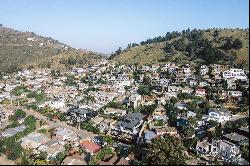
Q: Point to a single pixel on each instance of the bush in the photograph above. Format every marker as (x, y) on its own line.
(89, 127)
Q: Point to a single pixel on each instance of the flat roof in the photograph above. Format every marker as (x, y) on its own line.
(235, 137)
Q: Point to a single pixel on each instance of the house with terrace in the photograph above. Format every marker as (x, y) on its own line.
(33, 140)
(225, 149)
(113, 111)
(219, 114)
(128, 127)
(80, 114)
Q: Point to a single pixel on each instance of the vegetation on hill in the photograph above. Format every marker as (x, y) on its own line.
(229, 46)
(27, 49)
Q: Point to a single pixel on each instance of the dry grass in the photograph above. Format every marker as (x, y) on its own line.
(153, 53)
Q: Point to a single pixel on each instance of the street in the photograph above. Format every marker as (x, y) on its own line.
(58, 123)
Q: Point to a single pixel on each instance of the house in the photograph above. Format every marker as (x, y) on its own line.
(243, 131)
(200, 92)
(186, 70)
(218, 114)
(57, 104)
(149, 135)
(187, 90)
(33, 140)
(231, 84)
(225, 149)
(111, 160)
(236, 139)
(181, 105)
(203, 147)
(104, 97)
(74, 160)
(13, 131)
(118, 112)
(105, 125)
(53, 151)
(203, 84)
(6, 112)
(97, 120)
(182, 121)
(204, 70)
(134, 100)
(238, 74)
(217, 69)
(159, 113)
(191, 114)
(129, 124)
(90, 146)
(80, 114)
(192, 82)
(148, 100)
(99, 140)
(62, 134)
(77, 70)
(236, 95)
(174, 89)
(169, 95)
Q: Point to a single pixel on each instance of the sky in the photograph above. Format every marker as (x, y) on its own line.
(104, 25)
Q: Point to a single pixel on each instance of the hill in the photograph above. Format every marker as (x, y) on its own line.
(230, 46)
(27, 49)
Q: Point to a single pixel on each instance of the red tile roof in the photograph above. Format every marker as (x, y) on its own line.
(90, 146)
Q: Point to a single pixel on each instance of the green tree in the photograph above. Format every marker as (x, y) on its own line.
(183, 96)
(167, 150)
(218, 131)
(17, 91)
(216, 33)
(20, 114)
(70, 81)
(29, 120)
(148, 110)
(60, 157)
(237, 44)
(245, 152)
(144, 90)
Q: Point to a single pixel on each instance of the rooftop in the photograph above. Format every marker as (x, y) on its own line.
(235, 137)
(221, 111)
(246, 129)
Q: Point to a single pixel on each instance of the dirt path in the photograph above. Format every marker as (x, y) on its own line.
(5, 161)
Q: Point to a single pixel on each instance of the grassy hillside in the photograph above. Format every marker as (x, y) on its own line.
(24, 49)
(154, 50)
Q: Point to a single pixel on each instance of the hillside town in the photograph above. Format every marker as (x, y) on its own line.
(111, 114)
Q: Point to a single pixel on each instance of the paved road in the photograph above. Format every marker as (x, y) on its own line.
(58, 123)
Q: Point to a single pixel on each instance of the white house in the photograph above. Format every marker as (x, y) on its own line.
(218, 114)
(186, 89)
(235, 93)
(203, 147)
(187, 71)
(33, 140)
(225, 149)
(78, 70)
(235, 73)
(57, 104)
(118, 112)
(203, 84)
(135, 100)
(174, 88)
(204, 70)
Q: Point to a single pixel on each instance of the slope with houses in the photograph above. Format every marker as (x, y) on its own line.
(127, 104)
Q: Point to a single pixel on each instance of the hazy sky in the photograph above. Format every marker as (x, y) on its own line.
(104, 25)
